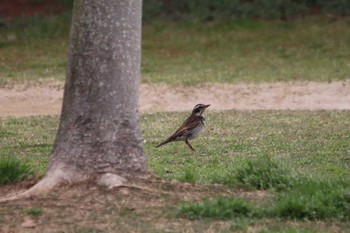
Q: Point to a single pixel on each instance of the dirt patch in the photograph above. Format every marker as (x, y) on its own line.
(46, 99)
(146, 205)
(266, 96)
(149, 205)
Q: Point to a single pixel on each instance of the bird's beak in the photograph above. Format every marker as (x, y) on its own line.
(207, 105)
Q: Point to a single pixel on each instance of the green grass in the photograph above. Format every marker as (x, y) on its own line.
(220, 208)
(246, 51)
(28, 139)
(307, 200)
(315, 199)
(313, 142)
(262, 173)
(316, 143)
(33, 49)
(13, 170)
(192, 52)
(34, 211)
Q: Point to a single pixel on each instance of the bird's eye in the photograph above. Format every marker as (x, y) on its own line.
(197, 110)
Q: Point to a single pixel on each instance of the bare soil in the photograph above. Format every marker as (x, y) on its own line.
(46, 99)
(147, 205)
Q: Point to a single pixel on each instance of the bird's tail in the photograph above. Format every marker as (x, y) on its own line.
(163, 143)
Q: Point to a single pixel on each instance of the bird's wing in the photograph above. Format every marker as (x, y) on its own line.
(185, 128)
(188, 121)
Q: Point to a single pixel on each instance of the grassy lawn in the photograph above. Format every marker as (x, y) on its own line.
(192, 53)
(316, 143)
(301, 160)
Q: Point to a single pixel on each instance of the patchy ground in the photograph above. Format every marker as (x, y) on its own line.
(149, 206)
(46, 99)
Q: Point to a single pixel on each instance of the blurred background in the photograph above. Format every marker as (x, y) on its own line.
(193, 41)
(195, 9)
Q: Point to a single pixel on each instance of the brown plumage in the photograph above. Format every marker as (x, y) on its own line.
(191, 128)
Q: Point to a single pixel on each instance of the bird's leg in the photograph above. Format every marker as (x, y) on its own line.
(189, 145)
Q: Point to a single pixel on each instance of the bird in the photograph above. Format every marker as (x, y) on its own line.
(190, 128)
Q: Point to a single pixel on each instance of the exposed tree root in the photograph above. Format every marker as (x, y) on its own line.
(110, 180)
(61, 175)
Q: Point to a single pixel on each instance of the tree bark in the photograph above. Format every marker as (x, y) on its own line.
(99, 135)
(99, 129)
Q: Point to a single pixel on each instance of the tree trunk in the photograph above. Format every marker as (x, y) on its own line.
(99, 129)
(99, 135)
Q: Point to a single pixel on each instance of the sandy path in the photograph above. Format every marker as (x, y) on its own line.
(43, 100)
